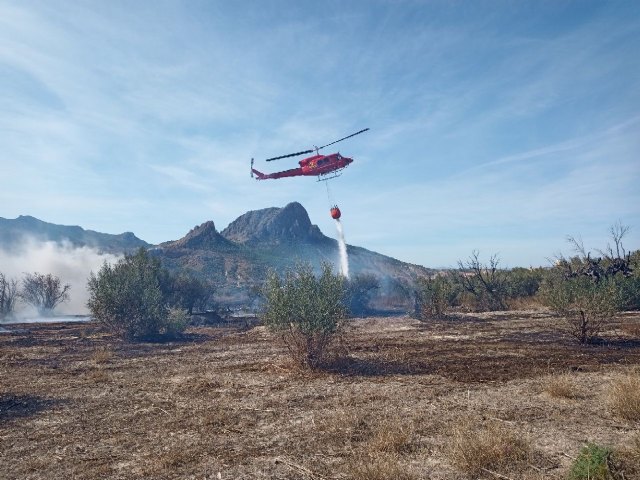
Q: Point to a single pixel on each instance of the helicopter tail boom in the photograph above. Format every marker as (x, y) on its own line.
(259, 175)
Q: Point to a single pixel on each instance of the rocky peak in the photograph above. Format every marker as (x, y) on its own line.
(273, 226)
(201, 237)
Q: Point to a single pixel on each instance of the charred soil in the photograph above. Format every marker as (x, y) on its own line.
(226, 403)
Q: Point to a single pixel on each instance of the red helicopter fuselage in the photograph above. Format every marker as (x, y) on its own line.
(315, 166)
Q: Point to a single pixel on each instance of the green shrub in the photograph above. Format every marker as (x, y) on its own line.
(586, 306)
(131, 298)
(523, 282)
(434, 296)
(592, 464)
(305, 310)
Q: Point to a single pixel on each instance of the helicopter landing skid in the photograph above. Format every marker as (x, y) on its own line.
(335, 174)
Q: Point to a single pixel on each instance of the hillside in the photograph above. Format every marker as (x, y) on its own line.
(271, 238)
(15, 232)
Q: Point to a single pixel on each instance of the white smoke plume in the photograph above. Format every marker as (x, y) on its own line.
(342, 247)
(73, 266)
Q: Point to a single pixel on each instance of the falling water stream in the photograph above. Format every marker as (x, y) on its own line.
(342, 246)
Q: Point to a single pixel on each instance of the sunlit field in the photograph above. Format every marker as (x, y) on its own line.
(494, 395)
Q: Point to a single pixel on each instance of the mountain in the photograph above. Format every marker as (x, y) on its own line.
(15, 232)
(236, 258)
(271, 238)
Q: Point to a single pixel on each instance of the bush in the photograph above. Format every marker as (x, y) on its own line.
(487, 283)
(586, 306)
(592, 464)
(523, 282)
(44, 292)
(127, 298)
(434, 296)
(306, 311)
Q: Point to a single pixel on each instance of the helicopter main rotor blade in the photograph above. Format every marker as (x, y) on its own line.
(348, 136)
(289, 155)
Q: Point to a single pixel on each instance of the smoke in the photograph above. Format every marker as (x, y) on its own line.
(342, 247)
(72, 264)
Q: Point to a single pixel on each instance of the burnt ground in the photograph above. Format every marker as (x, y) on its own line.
(226, 403)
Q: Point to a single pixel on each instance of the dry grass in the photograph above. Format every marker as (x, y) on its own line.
(524, 303)
(224, 400)
(379, 467)
(391, 436)
(99, 376)
(631, 329)
(476, 448)
(347, 424)
(624, 397)
(102, 356)
(561, 386)
(627, 458)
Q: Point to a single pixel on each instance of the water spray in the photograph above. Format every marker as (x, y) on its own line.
(342, 244)
(342, 247)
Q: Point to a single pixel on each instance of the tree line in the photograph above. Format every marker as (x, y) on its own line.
(137, 298)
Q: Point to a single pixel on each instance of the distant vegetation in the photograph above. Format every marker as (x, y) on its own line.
(585, 291)
(41, 291)
(8, 295)
(44, 292)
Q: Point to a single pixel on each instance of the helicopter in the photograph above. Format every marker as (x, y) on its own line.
(325, 167)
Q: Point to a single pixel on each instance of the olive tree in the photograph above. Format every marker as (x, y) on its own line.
(44, 292)
(131, 298)
(305, 310)
(191, 293)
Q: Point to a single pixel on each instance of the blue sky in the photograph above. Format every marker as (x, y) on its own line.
(499, 126)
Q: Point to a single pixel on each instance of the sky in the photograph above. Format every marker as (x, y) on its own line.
(495, 126)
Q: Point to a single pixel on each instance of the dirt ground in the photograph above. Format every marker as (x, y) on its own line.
(225, 403)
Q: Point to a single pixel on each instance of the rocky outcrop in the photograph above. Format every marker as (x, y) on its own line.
(274, 226)
(202, 237)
